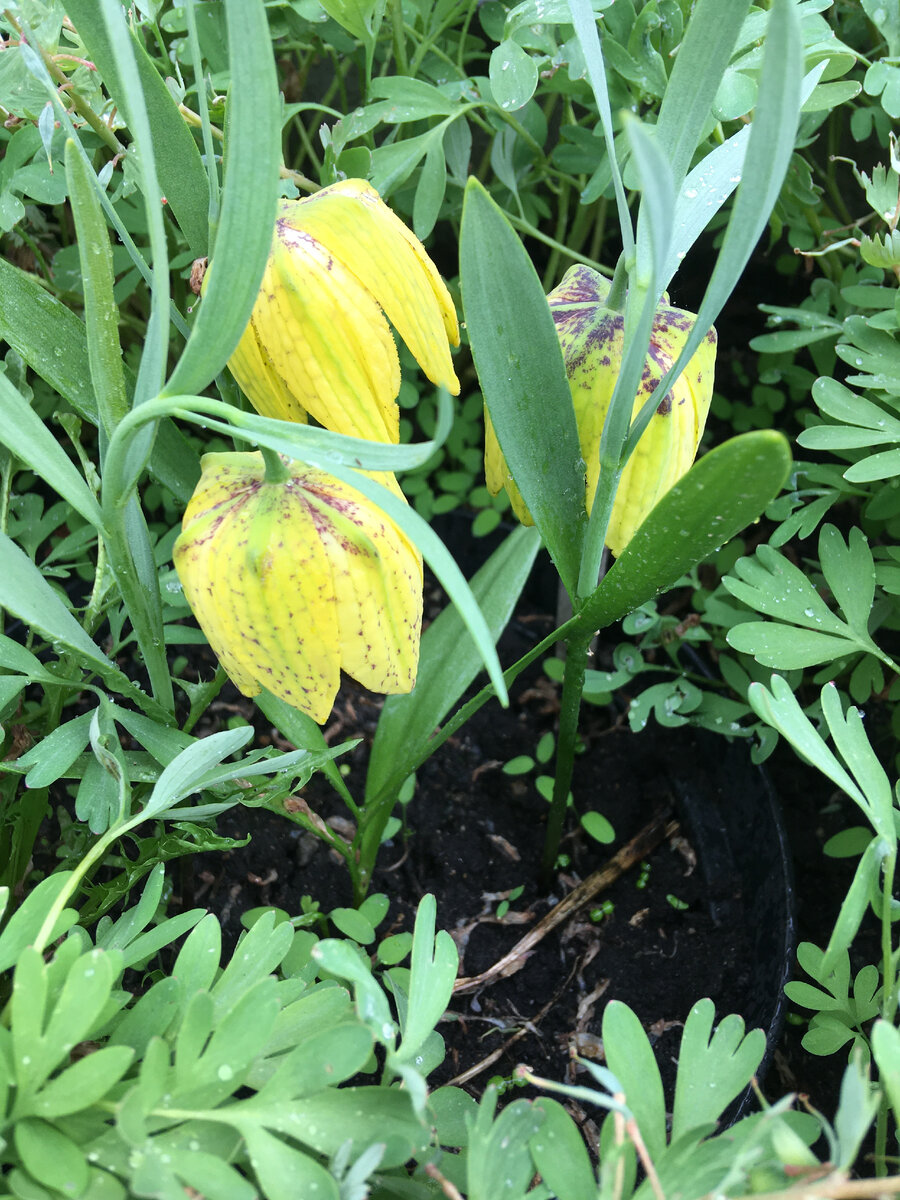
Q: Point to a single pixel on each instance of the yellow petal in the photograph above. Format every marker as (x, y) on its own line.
(496, 473)
(328, 339)
(669, 444)
(352, 220)
(377, 579)
(259, 582)
(257, 378)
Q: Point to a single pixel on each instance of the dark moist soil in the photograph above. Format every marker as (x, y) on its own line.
(679, 930)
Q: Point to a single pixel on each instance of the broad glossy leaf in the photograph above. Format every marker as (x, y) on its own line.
(723, 492)
(523, 377)
(513, 75)
(850, 573)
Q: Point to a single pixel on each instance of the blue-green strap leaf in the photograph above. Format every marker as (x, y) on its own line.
(523, 377)
(249, 194)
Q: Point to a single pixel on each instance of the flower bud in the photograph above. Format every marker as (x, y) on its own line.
(592, 341)
(295, 578)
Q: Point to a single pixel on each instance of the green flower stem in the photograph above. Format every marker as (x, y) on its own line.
(91, 618)
(889, 1000)
(95, 855)
(539, 236)
(463, 35)
(570, 708)
(200, 81)
(277, 469)
(399, 37)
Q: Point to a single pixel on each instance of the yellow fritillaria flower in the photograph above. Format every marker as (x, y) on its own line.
(318, 341)
(294, 579)
(592, 340)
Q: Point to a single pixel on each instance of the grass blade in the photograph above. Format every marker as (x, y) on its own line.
(249, 194)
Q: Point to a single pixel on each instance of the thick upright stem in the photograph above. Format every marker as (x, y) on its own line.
(570, 708)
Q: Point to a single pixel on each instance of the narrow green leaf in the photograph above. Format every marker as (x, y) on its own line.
(433, 966)
(448, 662)
(499, 1163)
(182, 775)
(585, 24)
(303, 732)
(50, 1157)
(771, 583)
(769, 150)
(101, 315)
(84, 1083)
(877, 466)
(630, 1058)
(178, 163)
(25, 923)
(523, 377)
(723, 492)
(29, 439)
(283, 1172)
(886, 1048)
(153, 358)
(855, 903)
(780, 709)
(49, 337)
(560, 1154)
(654, 233)
(851, 741)
(699, 65)
(26, 594)
(249, 194)
(53, 341)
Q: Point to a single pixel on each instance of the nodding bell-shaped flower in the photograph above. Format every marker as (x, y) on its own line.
(592, 340)
(293, 578)
(318, 341)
